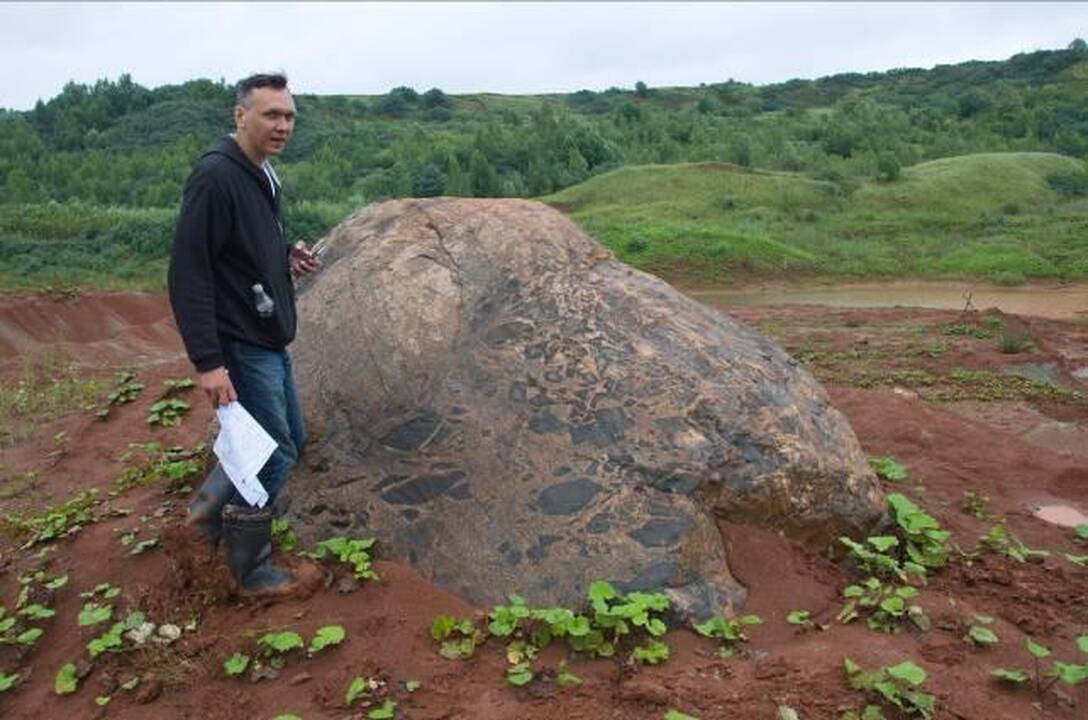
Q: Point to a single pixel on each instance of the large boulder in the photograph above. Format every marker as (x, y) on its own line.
(509, 409)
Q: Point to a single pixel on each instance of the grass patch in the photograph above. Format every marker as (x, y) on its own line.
(991, 216)
(44, 389)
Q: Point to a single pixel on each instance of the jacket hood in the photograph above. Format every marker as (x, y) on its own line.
(228, 147)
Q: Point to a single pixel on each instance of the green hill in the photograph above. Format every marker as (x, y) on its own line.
(1003, 217)
(965, 169)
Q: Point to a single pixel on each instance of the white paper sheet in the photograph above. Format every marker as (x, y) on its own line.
(243, 447)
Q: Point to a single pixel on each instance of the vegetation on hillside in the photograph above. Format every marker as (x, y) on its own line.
(114, 155)
(996, 216)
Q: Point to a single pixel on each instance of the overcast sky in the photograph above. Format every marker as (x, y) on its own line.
(512, 47)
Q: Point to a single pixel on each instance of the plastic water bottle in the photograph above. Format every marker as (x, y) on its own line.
(265, 306)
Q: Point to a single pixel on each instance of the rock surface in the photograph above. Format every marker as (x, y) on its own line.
(509, 409)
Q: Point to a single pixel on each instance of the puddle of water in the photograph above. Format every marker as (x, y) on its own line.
(1058, 302)
(1061, 515)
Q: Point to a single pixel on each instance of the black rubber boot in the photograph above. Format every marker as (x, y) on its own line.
(205, 511)
(247, 545)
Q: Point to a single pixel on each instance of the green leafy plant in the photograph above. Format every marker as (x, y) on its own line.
(276, 644)
(351, 551)
(898, 684)
(1080, 533)
(326, 636)
(884, 605)
(888, 468)
(976, 504)
(798, 617)
(173, 386)
(729, 630)
(999, 540)
(651, 652)
(125, 393)
(37, 612)
(617, 616)
(111, 639)
(167, 412)
(926, 542)
(236, 664)
(564, 678)
(283, 535)
(980, 635)
(66, 681)
(385, 711)
(107, 591)
(93, 613)
(875, 556)
(359, 687)
(677, 715)
(1068, 673)
(520, 673)
(7, 682)
(458, 638)
(58, 521)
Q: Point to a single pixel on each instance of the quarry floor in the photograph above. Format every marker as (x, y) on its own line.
(930, 387)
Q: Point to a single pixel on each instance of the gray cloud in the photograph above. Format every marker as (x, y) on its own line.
(368, 48)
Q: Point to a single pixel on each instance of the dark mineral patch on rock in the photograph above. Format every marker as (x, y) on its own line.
(567, 497)
(414, 433)
(662, 532)
(423, 489)
(486, 387)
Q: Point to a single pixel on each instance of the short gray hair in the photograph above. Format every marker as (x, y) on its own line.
(245, 86)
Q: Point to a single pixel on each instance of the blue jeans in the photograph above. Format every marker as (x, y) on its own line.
(266, 389)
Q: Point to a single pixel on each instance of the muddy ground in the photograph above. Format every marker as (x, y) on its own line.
(931, 388)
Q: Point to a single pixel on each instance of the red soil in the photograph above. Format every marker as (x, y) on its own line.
(387, 622)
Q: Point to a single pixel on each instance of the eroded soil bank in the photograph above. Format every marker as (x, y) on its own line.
(931, 387)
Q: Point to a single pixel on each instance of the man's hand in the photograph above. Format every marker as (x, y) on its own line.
(301, 260)
(217, 386)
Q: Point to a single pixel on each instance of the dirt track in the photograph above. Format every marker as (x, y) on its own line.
(911, 387)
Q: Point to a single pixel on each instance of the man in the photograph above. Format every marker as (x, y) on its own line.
(231, 290)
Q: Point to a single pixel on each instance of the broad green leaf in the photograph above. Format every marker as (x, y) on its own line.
(519, 674)
(1015, 676)
(66, 682)
(888, 468)
(57, 583)
(326, 636)
(37, 612)
(1082, 643)
(282, 642)
(412, 685)
(93, 613)
(102, 700)
(356, 689)
(1036, 649)
(1081, 532)
(908, 672)
(442, 627)
(236, 664)
(387, 710)
(8, 681)
(883, 542)
(601, 590)
(797, 617)
(677, 715)
(982, 635)
(1068, 673)
(29, 637)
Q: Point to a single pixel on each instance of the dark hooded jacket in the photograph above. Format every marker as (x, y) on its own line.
(229, 236)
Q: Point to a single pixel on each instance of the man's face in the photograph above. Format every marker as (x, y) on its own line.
(267, 120)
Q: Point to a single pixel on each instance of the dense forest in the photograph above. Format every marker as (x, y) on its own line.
(90, 179)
